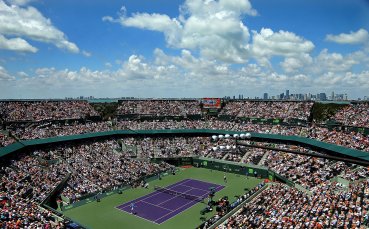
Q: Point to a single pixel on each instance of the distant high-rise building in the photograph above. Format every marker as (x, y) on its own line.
(287, 94)
(265, 95)
(322, 96)
(339, 97)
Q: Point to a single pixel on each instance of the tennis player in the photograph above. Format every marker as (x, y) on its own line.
(225, 178)
(133, 208)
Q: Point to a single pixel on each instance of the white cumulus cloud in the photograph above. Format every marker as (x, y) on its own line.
(215, 28)
(181, 76)
(29, 23)
(268, 43)
(282, 43)
(4, 75)
(333, 62)
(359, 37)
(16, 44)
(86, 54)
(19, 2)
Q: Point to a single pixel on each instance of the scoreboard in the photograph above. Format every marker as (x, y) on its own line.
(211, 103)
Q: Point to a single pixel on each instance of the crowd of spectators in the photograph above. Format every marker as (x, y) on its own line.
(25, 182)
(309, 172)
(55, 110)
(99, 166)
(192, 146)
(213, 124)
(16, 212)
(57, 130)
(281, 206)
(352, 140)
(354, 174)
(53, 130)
(160, 125)
(36, 111)
(223, 206)
(261, 109)
(5, 140)
(159, 107)
(184, 147)
(226, 153)
(174, 146)
(354, 115)
(254, 155)
(234, 156)
(27, 179)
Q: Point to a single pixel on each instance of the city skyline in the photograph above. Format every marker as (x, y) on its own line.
(320, 96)
(182, 48)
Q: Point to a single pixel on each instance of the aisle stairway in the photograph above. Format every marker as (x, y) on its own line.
(262, 160)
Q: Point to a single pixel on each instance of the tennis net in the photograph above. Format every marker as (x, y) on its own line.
(180, 194)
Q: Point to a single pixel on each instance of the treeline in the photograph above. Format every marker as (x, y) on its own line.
(107, 111)
(324, 111)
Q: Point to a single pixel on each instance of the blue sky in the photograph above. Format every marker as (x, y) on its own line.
(192, 48)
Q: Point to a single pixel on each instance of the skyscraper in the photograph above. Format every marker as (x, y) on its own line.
(322, 96)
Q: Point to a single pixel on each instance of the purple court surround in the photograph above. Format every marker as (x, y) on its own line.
(158, 207)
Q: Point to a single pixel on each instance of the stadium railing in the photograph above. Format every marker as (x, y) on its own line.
(59, 187)
(314, 144)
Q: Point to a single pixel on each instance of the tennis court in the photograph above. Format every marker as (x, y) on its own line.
(165, 203)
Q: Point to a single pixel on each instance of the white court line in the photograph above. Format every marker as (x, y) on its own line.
(155, 205)
(177, 184)
(176, 210)
(208, 182)
(138, 216)
(195, 188)
(218, 186)
(174, 197)
(149, 195)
